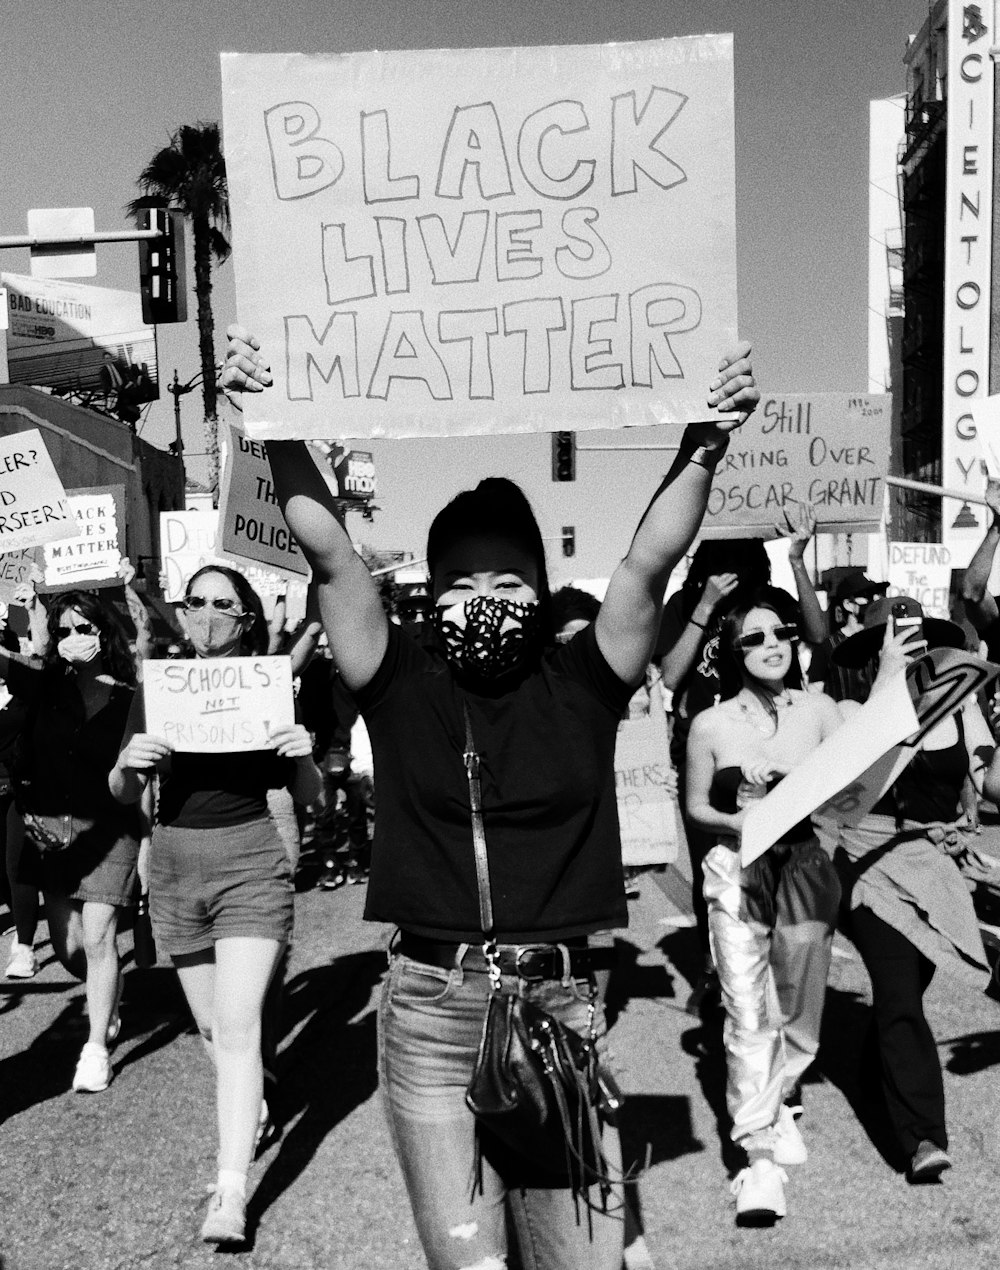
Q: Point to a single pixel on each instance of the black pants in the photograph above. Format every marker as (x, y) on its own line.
(910, 1067)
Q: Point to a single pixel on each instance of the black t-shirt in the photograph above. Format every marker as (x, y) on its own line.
(209, 791)
(842, 683)
(547, 772)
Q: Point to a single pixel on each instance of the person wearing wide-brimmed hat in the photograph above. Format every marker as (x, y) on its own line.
(909, 907)
(849, 599)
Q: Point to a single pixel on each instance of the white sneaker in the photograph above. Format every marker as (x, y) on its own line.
(93, 1071)
(23, 964)
(760, 1194)
(789, 1145)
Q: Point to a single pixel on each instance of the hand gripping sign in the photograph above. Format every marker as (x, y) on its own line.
(843, 778)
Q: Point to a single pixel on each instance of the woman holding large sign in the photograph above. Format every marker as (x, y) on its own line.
(771, 924)
(538, 722)
(220, 884)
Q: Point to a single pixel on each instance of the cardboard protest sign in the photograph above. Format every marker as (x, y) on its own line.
(252, 528)
(647, 809)
(15, 568)
(828, 449)
(91, 558)
(923, 570)
(210, 705)
(33, 503)
(189, 540)
(459, 242)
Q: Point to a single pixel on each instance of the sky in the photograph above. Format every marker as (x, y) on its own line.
(89, 92)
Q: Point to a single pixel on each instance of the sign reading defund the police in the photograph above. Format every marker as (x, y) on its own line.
(93, 557)
(34, 507)
(251, 525)
(215, 704)
(827, 449)
(459, 242)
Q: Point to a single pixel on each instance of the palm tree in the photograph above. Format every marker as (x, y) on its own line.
(189, 174)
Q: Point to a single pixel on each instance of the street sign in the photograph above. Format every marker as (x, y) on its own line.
(63, 258)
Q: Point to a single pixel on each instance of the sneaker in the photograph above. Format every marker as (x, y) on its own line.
(93, 1071)
(331, 878)
(789, 1146)
(927, 1164)
(760, 1194)
(226, 1220)
(22, 964)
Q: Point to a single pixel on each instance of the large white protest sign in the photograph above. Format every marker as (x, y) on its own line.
(252, 527)
(15, 569)
(459, 242)
(828, 449)
(647, 806)
(91, 558)
(922, 570)
(189, 540)
(218, 704)
(33, 504)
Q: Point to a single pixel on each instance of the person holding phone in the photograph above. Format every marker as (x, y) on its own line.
(907, 906)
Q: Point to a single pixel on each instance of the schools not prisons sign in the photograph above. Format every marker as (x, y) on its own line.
(490, 240)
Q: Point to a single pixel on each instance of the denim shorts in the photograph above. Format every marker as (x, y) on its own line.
(101, 867)
(220, 883)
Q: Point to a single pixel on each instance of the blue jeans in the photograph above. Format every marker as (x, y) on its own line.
(430, 1023)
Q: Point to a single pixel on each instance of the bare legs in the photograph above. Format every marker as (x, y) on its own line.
(84, 936)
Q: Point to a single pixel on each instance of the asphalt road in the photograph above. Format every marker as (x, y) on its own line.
(117, 1180)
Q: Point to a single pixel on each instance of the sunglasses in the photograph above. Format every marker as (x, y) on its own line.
(198, 603)
(785, 633)
(84, 628)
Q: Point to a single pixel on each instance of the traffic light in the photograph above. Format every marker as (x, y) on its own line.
(161, 267)
(569, 540)
(564, 456)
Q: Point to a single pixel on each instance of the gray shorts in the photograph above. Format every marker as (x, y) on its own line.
(220, 883)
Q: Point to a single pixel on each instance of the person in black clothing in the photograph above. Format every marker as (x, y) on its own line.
(543, 719)
(981, 607)
(724, 574)
(848, 602)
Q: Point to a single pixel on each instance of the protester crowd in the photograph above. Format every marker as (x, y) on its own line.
(492, 710)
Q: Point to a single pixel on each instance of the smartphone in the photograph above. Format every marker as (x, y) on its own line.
(910, 623)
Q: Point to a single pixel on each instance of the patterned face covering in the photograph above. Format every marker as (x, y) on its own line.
(487, 636)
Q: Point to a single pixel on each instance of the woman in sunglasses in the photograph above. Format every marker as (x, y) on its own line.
(81, 847)
(220, 883)
(771, 924)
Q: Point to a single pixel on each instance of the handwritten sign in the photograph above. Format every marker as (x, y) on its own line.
(829, 449)
(33, 504)
(460, 242)
(252, 528)
(923, 570)
(189, 540)
(218, 704)
(91, 558)
(15, 568)
(647, 809)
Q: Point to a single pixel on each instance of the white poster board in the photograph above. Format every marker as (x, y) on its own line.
(459, 242)
(828, 449)
(34, 507)
(91, 558)
(253, 529)
(15, 568)
(647, 807)
(217, 704)
(923, 571)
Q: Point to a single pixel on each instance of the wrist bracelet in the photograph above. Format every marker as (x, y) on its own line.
(706, 456)
(700, 625)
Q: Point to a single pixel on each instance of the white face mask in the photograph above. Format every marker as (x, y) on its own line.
(79, 649)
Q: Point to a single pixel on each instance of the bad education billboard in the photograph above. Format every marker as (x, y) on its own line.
(75, 337)
(460, 242)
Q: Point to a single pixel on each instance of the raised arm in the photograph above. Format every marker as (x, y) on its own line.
(137, 611)
(27, 596)
(679, 657)
(980, 606)
(627, 623)
(350, 606)
(800, 532)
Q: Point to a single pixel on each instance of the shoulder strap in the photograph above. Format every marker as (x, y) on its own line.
(478, 832)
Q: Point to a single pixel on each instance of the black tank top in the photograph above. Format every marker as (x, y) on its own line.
(930, 787)
(722, 796)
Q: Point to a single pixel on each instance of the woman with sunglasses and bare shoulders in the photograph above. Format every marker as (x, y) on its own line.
(80, 846)
(770, 924)
(220, 883)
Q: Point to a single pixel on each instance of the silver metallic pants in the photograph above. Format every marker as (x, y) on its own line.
(771, 932)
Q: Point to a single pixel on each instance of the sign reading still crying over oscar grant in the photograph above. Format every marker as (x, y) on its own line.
(218, 704)
(460, 242)
(827, 449)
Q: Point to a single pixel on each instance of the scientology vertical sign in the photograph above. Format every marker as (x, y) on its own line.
(969, 217)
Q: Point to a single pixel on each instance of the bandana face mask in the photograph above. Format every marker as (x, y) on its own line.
(487, 636)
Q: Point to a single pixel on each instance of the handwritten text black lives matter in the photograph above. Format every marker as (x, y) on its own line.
(605, 340)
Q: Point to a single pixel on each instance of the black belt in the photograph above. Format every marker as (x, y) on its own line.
(533, 962)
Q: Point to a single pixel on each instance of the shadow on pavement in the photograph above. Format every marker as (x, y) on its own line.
(327, 1070)
(972, 1053)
